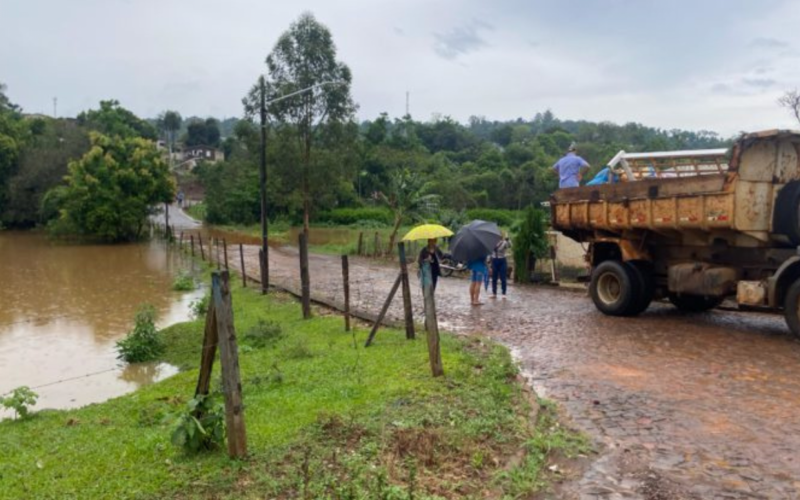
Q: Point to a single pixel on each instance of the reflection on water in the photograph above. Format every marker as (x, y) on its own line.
(65, 305)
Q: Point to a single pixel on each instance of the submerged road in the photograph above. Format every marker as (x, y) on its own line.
(681, 406)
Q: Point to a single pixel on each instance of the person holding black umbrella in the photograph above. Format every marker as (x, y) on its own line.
(472, 244)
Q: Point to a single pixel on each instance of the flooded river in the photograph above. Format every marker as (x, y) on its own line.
(65, 305)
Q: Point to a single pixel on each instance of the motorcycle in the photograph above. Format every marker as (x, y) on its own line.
(448, 266)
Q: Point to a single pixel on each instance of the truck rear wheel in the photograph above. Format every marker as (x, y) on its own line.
(786, 220)
(643, 272)
(614, 288)
(694, 303)
(791, 308)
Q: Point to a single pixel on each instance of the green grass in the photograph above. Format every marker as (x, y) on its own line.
(325, 418)
(196, 211)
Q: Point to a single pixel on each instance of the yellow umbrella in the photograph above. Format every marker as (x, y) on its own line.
(426, 232)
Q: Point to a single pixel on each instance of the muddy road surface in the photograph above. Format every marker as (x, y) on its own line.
(680, 406)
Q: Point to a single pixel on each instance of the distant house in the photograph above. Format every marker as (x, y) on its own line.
(205, 153)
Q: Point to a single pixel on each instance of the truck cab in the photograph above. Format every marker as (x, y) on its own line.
(695, 227)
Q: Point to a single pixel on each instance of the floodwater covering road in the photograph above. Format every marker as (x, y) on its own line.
(681, 406)
(63, 307)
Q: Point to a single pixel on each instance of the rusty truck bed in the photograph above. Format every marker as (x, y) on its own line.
(688, 202)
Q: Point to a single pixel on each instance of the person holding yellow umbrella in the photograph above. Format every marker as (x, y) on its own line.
(430, 253)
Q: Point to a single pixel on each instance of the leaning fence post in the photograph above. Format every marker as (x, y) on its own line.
(219, 263)
(384, 310)
(225, 252)
(244, 275)
(305, 285)
(431, 323)
(202, 252)
(346, 285)
(191, 240)
(409, 314)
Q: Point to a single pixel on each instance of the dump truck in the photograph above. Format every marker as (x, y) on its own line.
(695, 227)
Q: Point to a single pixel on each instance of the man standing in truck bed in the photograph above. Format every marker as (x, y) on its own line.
(569, 168)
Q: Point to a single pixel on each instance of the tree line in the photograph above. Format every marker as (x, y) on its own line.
(73, 173)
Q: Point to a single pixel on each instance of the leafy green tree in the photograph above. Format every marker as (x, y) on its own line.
(109, 192)
(12, 137)
(530, 243)
(42, 165)
(305, 57)
(170, 122)
(5, 103)
(203, 133)
(406, 200)
(114, 120)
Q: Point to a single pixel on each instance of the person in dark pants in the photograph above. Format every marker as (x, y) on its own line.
(432, 254)
(500, 265)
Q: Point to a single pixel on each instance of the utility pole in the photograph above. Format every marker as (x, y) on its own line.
(264, 254)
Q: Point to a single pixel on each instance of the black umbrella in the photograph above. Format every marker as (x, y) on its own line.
(475, 241)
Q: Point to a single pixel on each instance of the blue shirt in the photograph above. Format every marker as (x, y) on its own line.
(568, 169)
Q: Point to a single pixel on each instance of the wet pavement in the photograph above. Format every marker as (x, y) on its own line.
(680, 406)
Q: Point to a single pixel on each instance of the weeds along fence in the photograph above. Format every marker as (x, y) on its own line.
(215, 251)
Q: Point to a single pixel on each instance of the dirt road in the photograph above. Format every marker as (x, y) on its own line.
(681, 406)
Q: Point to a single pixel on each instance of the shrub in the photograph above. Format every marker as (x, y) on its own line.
(142, 343)
(530, 239)
(298, 350)
(501, 217)
(199, 307)
(19, 400)
(263, 334)
(347, 216)
(183, 283)
(201, 426)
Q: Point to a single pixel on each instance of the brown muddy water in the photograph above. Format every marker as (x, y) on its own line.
(63, 307)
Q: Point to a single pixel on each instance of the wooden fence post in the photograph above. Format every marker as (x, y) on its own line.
(220, 332)
(225, 252)
(180, 241)
(263, 264)
(407, 310)
(229, 359)
(191, 240)
(377, 246)
(385, 308)
(431, 323)
(361, 243)
(202, 252)
(305, 281)
(346, 284)
(219, 263)
(244, 275)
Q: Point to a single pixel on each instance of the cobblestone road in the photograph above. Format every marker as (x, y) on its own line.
(681, 406)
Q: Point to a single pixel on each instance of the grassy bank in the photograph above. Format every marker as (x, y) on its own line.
(325, 419)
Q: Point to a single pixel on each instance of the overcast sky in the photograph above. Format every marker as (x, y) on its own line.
(700, 64)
